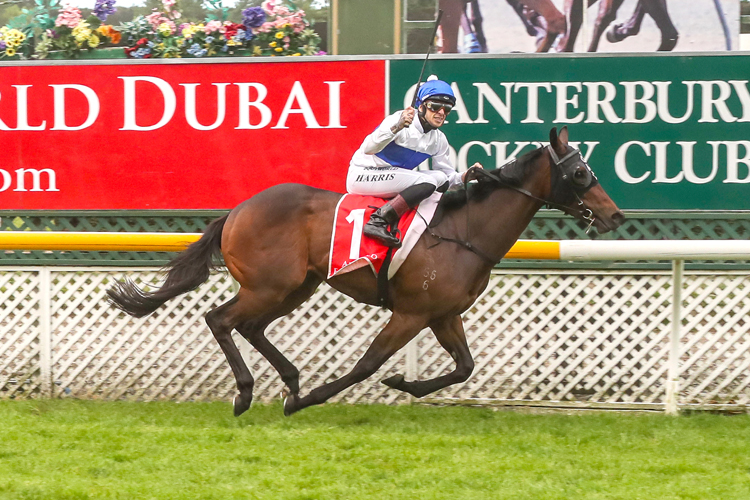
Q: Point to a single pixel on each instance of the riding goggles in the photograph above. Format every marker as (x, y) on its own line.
(437, 106)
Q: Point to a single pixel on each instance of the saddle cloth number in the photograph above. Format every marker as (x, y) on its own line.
(356, 217)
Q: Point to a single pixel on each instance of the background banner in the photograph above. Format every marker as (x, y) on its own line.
(625, 26)
(179, 136)
(660, 131)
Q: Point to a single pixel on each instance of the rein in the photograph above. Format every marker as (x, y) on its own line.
(585, 213)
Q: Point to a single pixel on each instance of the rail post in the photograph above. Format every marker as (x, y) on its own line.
(673, 384)
(412, 361)
(45, 331)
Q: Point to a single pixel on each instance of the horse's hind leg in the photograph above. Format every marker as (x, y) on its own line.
(222, 321)
(253, 331)
(450, 333)
(396, 334)
(247, 306)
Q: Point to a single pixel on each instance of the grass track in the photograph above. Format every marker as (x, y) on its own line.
(122, 450)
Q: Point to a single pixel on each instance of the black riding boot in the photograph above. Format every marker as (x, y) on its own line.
(391, 212)
(377, 226)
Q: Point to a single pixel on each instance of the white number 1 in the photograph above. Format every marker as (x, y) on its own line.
(358, 218)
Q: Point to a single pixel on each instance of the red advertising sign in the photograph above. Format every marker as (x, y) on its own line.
(180, 136)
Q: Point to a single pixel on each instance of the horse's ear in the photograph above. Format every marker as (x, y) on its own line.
(563, 137)
(553, 137)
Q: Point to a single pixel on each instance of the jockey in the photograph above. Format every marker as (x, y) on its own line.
(385, 164)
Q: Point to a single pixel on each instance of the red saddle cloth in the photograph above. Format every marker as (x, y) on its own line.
(350, 248)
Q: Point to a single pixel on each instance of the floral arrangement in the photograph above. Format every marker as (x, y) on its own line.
(280, 30)
(276, 28)
(72, 34)
(273, 29)
(167, 39)
(10, 40)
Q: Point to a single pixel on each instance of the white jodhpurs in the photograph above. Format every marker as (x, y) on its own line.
(387, 182)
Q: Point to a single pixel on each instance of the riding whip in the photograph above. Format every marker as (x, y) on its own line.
(429, 49)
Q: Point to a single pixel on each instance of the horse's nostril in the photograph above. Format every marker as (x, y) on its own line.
(618, 217)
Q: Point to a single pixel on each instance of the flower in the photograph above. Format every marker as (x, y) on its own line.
(166, 28)
(253, 17)
(68, 16)
(104, 8)
(279, 35)
(108, 31)
(93, 41)
(278, 49)
(212, 26)
(82, 32)
(12, 37)
(272, 44)
(10, 52)
(156, 19)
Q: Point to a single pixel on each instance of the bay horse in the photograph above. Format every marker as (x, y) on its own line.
(276, 246)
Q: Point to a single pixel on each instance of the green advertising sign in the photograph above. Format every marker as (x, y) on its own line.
(661, 131)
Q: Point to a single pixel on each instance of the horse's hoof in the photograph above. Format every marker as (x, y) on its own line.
(241, 404)
(613, 36)
(393, 382)
(290, 404)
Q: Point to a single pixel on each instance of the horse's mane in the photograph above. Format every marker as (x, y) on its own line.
(513, 173)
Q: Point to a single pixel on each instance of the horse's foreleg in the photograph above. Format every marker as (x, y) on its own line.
(396, 334)
(450, 334)
(518, 8)
(631, 27)
(254, 330)
(554, 20)
(573, 18)
(605, 17)
(657, 9)
(477, 22)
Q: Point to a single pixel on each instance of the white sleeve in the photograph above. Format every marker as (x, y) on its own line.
(382, 136)
(441, 162)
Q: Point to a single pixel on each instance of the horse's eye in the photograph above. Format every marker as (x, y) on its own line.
(580, 176)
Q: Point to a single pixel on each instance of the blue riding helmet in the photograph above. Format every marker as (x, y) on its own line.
(436, 90)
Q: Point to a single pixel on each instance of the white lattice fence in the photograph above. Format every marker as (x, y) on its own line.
(583, 338)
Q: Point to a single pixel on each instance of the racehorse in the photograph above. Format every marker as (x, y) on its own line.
(276, 245)
(657, 9)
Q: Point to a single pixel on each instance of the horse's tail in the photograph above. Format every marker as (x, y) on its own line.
(186, 272)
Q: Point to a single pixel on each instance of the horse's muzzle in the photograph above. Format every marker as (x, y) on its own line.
(609, 223)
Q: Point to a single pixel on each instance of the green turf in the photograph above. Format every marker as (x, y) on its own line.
(124, 450)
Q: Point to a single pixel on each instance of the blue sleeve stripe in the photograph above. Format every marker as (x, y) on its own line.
(402, 157)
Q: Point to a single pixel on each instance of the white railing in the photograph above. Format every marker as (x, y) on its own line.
(539, 337)
(598, 339)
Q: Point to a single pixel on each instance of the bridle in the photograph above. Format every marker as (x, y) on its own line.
(567, 165)
(568, 169)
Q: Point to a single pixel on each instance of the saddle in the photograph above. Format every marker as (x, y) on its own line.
(351, 249)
